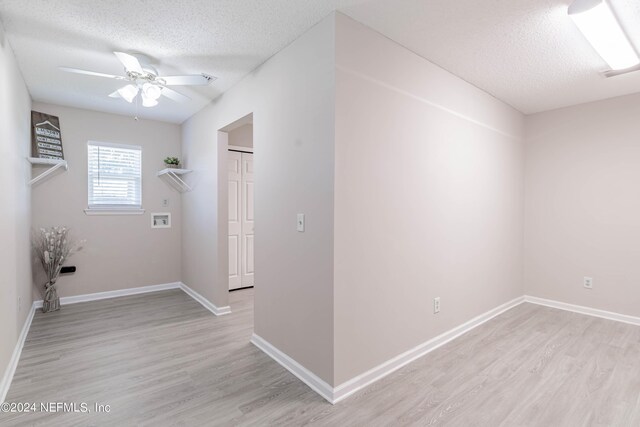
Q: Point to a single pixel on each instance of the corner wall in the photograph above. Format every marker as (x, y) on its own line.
(582, 215)
(428, 200)
(15, 209)
(121, 251)
(292, 100)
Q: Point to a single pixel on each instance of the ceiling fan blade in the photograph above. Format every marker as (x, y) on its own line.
(175, 96)
(91, 73)
(190, 80)
(130, 62)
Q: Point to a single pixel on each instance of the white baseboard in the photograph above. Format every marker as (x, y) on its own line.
(584, 310)
(305, 375)
(355, 384)
(218, 311)
(346, 389)
(114, 294)
(15, 357)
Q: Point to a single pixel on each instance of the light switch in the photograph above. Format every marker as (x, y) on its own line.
(300, 223)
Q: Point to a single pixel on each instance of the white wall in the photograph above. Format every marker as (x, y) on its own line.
(121, 251)
(15, 266)
(428, 200)
(583, 204)
(291, 97)
(242, 136)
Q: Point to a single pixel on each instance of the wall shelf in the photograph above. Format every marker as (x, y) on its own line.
(54, 164)
(174, 176)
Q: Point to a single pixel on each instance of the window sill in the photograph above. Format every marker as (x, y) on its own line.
(112, 211)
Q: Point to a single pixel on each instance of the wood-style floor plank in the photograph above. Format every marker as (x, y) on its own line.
(161, 359)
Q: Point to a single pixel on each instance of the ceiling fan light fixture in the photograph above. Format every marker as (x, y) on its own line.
(148, 102)
(598, 24)
(128, 92)
(151, 91)
(143, 79)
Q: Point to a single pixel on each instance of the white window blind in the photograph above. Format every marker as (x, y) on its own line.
(115, 176)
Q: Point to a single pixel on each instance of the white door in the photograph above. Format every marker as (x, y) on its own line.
(235, 223)
(247, 219)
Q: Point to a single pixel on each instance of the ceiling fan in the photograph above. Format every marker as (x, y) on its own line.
(143, 79)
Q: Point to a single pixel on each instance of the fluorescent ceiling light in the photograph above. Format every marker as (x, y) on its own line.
(128, 92)
(596, 21)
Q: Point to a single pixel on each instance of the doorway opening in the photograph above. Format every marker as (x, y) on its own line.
(240, 203)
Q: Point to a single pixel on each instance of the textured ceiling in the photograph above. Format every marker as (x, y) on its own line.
(527, 53)
(524, 52)
(224, 38)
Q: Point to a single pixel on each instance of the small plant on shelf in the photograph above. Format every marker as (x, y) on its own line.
(172, 162)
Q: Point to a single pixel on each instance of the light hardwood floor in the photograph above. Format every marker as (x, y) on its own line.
(161, 359)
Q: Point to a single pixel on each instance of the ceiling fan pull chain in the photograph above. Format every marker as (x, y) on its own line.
(136, 116)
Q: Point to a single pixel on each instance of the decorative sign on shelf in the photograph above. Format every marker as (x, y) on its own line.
(46, 140)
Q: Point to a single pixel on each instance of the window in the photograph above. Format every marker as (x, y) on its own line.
(115, 176)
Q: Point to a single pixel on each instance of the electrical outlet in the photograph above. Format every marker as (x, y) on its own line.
(436, 305)
(165, 203)
(588, 282)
